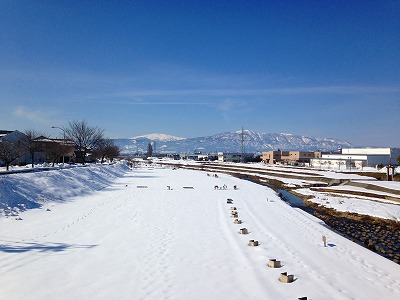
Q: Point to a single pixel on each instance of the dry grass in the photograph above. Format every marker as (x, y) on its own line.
(322, 210)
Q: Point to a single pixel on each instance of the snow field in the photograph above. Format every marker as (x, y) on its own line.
(367, 205)
(125, 242)
(377, 207)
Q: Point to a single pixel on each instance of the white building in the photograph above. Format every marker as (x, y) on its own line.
(229, 157)
(357, 158)
(17, 138)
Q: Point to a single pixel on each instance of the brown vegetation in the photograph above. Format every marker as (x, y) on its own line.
(322, 211)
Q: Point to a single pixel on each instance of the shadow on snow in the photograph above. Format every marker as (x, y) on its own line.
(18, 247)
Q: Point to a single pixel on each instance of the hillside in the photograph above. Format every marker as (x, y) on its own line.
(254, 142)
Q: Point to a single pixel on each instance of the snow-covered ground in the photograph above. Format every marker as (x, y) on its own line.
(394, 185)
(367, 205)
(19, 191)
(304, 176)
(375, 207)
(137, 239)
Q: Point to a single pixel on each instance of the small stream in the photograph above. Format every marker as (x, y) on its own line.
(289, 198)
(293, 200)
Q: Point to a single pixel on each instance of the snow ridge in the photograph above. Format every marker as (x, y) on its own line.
(159, 137)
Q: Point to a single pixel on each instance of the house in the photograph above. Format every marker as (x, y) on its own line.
(45, 151)
(11, 136)
(17, 138)
(62, 149)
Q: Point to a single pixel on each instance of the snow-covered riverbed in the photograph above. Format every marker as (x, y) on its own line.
(138, 239)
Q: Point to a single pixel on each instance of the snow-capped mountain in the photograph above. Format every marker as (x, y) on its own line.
(254, 142)
(159, 137)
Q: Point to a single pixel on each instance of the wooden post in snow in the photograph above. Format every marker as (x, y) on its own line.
(324, 240)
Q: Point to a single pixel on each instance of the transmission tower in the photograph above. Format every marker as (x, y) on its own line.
(242, 134)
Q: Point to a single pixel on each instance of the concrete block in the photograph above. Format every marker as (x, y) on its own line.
(285, 278)
(273, 263)
(243, 231)
(253, 243)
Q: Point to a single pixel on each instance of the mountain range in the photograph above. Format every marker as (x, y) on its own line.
(253, 142)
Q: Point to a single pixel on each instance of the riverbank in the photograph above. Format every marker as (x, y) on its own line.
(165, 232)
(378, 234)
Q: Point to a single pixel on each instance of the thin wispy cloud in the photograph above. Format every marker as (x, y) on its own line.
(229, 107)
(147, 102)
(35, 116)
(161, 83)
(251, 92)
(63, 76)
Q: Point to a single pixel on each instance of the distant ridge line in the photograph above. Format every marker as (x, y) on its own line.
(255, 142)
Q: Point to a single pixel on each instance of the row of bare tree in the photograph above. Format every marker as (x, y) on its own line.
(79, 137)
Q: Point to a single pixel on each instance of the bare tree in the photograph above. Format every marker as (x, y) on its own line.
(101, 149)
(85, 137)
(106, 148)
(53, 151)
(112, 152)
(10, 151)
(31, 144)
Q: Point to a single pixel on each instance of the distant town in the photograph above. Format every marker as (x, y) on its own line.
(18, 148)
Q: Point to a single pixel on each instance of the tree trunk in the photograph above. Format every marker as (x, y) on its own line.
(33, 159)
(83, 154)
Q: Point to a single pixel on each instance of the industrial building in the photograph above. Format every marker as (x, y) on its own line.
(357, 158)
(289, 157)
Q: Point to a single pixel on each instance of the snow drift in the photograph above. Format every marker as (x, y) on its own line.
(21, 191)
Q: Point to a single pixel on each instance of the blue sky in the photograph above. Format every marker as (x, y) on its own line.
(196, 68)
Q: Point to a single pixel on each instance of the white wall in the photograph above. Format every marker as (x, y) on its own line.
(365, 151)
